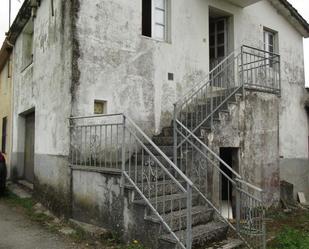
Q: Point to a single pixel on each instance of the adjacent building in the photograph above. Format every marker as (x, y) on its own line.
(6, 96)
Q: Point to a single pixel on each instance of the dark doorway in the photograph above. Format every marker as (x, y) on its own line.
(29, 147)
(230, 156)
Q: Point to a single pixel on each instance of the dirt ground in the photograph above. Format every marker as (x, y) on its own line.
(18, 232)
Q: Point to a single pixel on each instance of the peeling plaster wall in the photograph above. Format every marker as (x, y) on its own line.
(293, 132)
(99, 199)
(44, 86)
(130, 71)
(252, 126)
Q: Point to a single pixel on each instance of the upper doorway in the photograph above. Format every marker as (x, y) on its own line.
(220, 36)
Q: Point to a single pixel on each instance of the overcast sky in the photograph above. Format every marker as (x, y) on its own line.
(301, 5)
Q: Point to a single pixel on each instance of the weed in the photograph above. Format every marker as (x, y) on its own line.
(291, 238)
(134, 245)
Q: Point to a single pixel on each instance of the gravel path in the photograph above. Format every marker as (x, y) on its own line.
(18, 232)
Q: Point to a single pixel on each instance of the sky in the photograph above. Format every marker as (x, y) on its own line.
(301, 5)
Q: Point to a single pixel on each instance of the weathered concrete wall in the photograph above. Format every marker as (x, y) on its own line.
(296, 171)
(6, 88)
(44, 87)
(129, 71)
(99, 199)
(252, 126)
(293, 123)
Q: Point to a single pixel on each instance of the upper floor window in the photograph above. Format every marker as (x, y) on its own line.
(270, 44)
(27, 45)
(269, 41)
(155, 19)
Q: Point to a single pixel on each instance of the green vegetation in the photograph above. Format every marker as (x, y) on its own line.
(290, 238)
(27, 206)
(132, 246)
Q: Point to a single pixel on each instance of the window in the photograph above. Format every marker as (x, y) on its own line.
(269, 41)
(270, 45)
(100, 107)
(217, 38)
(155, 19)
(27, 45)
(4, 134)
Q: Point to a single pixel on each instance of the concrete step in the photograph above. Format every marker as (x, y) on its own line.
(144, 173)
(177, 220)
(168, 150)
(164, 140)
(159, 188)
(19, 190)
(202, 235)
(167, 131)
(168, 203)
(227, 244)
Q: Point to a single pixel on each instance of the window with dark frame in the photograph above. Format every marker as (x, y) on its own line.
(146, 18)
(4, 135)
(155, 19)
(217, 38)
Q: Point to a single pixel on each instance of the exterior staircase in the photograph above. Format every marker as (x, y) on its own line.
(175, 176)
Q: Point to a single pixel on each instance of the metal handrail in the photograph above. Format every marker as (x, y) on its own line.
(209, 150)
(96, 116)
(261, 50)
(248, 70)
(188, 94)
(189, 184)
(87, 131)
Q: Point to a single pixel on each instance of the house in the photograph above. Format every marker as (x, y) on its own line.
(6, 89)
(166, 116)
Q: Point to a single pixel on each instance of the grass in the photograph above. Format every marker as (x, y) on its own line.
(27, 204)
(290, 238)
(288, 230)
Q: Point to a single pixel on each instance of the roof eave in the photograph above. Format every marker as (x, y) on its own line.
(23, 16)
(291, 14)
(5, 53)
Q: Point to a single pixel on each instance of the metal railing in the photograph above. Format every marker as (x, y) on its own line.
(239, 205)
(197, 110)
(116, 142)
(260, 70)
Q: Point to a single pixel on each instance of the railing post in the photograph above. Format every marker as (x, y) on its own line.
(279, 71)
(238, 206)
(123, 152)
(242, 72)
(211, 102)
(175, 135)
(189, 217)
(264, 229)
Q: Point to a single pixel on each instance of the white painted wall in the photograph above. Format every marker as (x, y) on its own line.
(130, 71)
(44, 86)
